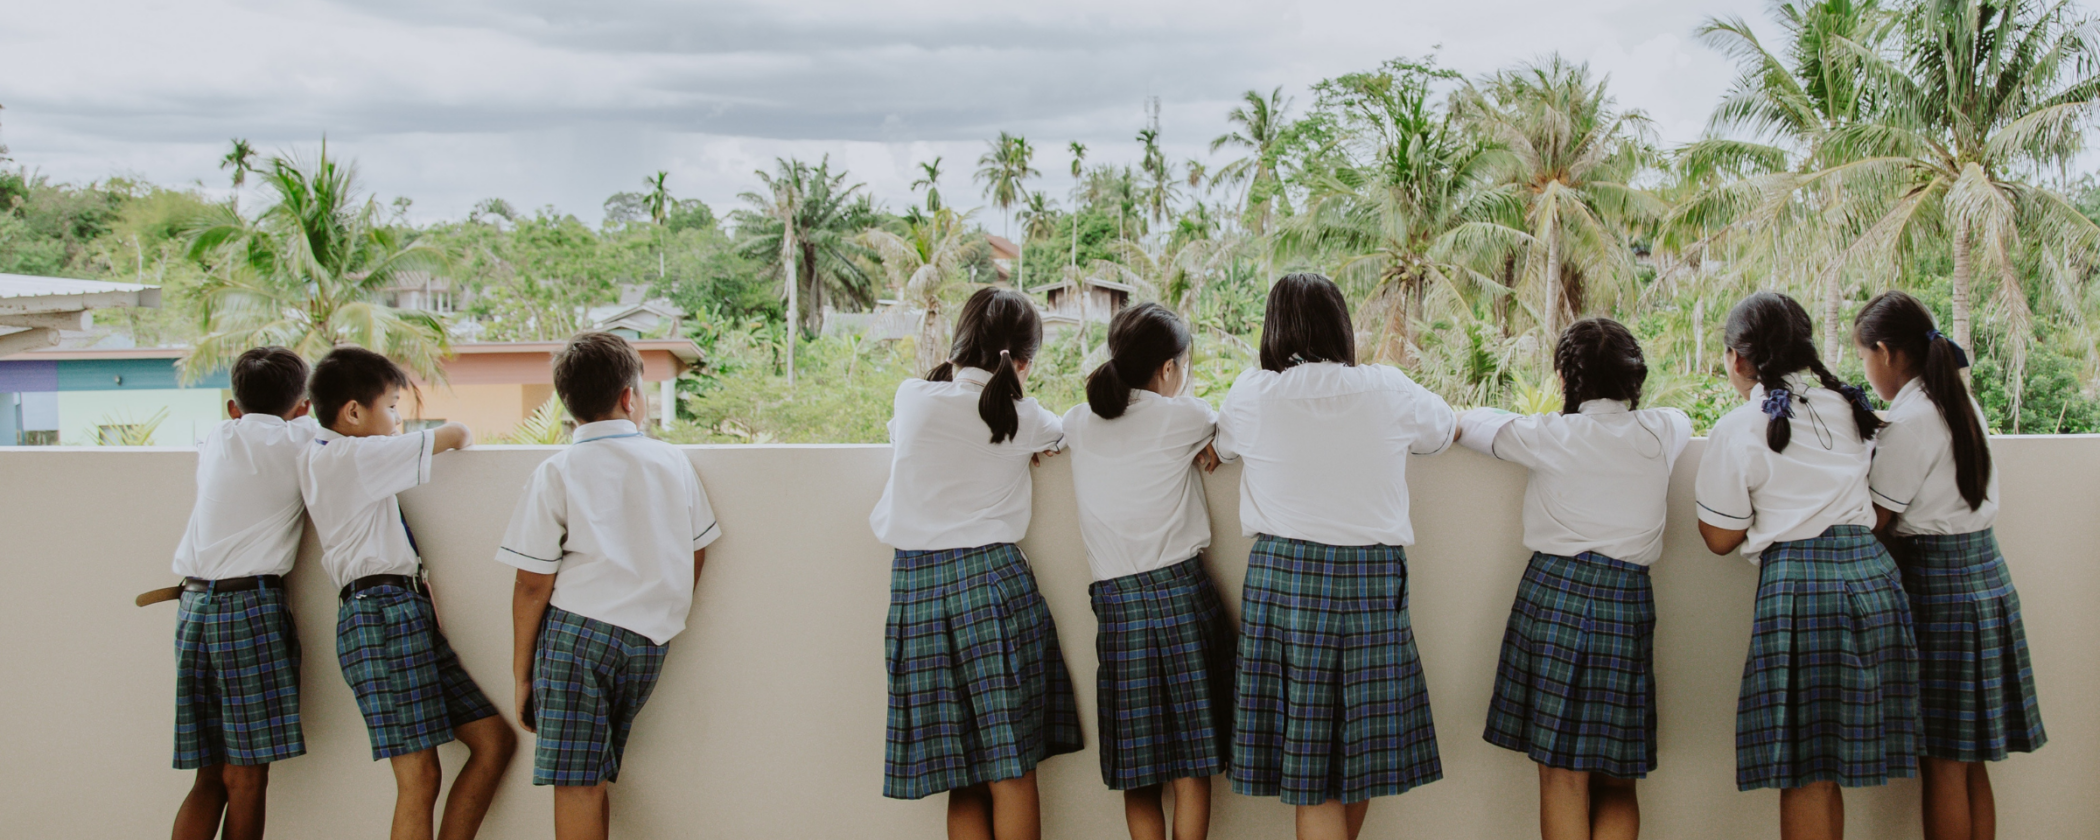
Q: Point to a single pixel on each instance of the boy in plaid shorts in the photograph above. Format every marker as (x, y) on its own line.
(608, 540)
(236, 651)
(409, 684)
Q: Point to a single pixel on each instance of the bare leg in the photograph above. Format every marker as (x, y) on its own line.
(416, 779)
(198, 818)
(1564, 804)
(1815, 812)
(1946, 800)
(246, 786)
(490, 744)
(1017, 810)
(1141, 809)
(1191, 809)
(1983, 803)
(582, 812)
(1355, 812)
(1326, 821)
(1615, 810)
(970, 813)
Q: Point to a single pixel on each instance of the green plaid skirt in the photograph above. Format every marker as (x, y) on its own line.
(1974, 679)
(1330, 701)
(236, 679)
(589, 681)
(1575, 688)
(1830, 686)
(1165, 681)
(978, 687)
(408, 682)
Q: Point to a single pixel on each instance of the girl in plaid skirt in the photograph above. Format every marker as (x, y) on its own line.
(1575, 688)
(1830, 685)
(1936, 498)
(1331, 708)
(1165, 642)
(978, 689)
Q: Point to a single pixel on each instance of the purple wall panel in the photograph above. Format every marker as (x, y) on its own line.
(20, 376)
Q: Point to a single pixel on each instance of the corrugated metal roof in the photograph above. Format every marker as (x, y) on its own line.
(23, 285)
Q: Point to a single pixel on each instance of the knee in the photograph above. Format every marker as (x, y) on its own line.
(418, 771)
(489, 739)
(246, 780)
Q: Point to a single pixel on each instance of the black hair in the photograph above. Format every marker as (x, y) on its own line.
(1900, 323)
(997, 328)
(268, 380)
(1307, 321)
(1774, 334)
(352, 374)
(592, 370)
(1141, 339)
(1599, 359)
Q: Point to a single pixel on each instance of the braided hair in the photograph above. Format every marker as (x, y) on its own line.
(1774, 334)
(1599, 359)
(997, 329)
(1900, 323)
(1141, 339)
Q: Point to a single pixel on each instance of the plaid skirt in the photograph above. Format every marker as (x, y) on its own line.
(1575, 688)
(1165, 681)
(589, 681)
(1330, 701)
(409, 684)
(1974, 680)
(1830, 686)
(236, 679)
(978, 687)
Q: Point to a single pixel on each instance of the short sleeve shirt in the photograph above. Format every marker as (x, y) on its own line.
(1600, 478)
(249, 515)
(950, 486)
(349, 484)
(1820, 481)
(615, 517)
(1141, 503)
(1914, 473)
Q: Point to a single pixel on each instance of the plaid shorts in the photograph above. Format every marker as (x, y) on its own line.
(409, 684)
(1830, 686)
(589, 680)
(1330, 701)
(1975, 682)
(1575, 687)
(978, 687)
(236, 679)
(1165, 681)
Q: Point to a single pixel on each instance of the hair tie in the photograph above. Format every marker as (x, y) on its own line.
(1779, 402)
(1961, 357)
(1005, 356)
(1858, 396)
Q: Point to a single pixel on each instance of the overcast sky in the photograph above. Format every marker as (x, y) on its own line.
(563, 102)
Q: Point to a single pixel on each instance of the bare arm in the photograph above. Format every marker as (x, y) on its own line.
(451, 436)
(1883, 519)
(1722, 540)
(699, 559)
(528, 607)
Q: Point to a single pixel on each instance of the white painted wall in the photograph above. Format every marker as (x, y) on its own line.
(769, 721)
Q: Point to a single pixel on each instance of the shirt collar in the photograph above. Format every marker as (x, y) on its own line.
(329, 434)
(1603, 407)
(973, 376)
(265, 419)
(1912, 390)
(604, 429)
(1796, 382)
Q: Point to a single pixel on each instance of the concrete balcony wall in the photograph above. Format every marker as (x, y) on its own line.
(769, 719)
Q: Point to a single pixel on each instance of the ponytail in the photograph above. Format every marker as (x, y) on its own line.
(1774, 334)
(1141, 340)
(997, 331)
(1901, 324)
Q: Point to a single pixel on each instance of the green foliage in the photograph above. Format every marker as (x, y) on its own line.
(546, 426)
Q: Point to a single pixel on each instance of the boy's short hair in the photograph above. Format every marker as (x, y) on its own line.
(591, 371)
(268, 380)
(352, 374)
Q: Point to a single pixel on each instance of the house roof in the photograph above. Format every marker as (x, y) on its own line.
(1002, 247)
(1091, 281)
(33, 310)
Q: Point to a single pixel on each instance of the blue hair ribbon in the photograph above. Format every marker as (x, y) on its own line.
(1961, 357)
(1779, 402)
(1858, 396)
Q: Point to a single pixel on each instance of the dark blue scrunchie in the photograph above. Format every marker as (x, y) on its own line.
(1858, 396)
(1779, 402)
(1961, 357)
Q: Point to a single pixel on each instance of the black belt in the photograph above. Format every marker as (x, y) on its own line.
(239, 584)
(408, 582)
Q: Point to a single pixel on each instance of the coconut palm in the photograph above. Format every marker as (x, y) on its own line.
(927, 266)
(1004, 169)
(1078, 166)
(930, 181)
(806, 220)
(241, 159)
(1259, 128)
(1161, 188)
(658, 202)
(308, 273)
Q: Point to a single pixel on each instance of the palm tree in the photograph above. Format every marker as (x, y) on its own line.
(1161, 188)
(241, 159)
(658, 202)
(930, 181)
(1078, 166)
(1038, 217)
(308, 273)
(803, 225)
(1259, 127)
(1004, 169)
(926, 267)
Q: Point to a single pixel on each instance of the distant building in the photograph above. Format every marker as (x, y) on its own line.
(35, 312)
(635, 315)
(424, 291)
(1100, 301)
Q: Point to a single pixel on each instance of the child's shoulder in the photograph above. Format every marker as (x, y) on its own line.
(1745, 422)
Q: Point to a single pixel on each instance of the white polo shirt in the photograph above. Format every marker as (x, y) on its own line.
(1600, 479)
(1141, 504)
(1326, 446)
(1819, 481)
(349, 485)
(1913, 471)
(247, 519)
(615, 517)
(950, 486)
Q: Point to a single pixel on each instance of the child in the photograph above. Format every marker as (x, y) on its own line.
(1324, 492)
(1830, 686)
(1165, 680)
(408, 682)
(978, 689)
(608, 541)
(1935, 491)
(236, 650)
(1575, 689)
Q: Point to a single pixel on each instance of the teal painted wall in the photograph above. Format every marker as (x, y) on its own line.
(130, 375)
